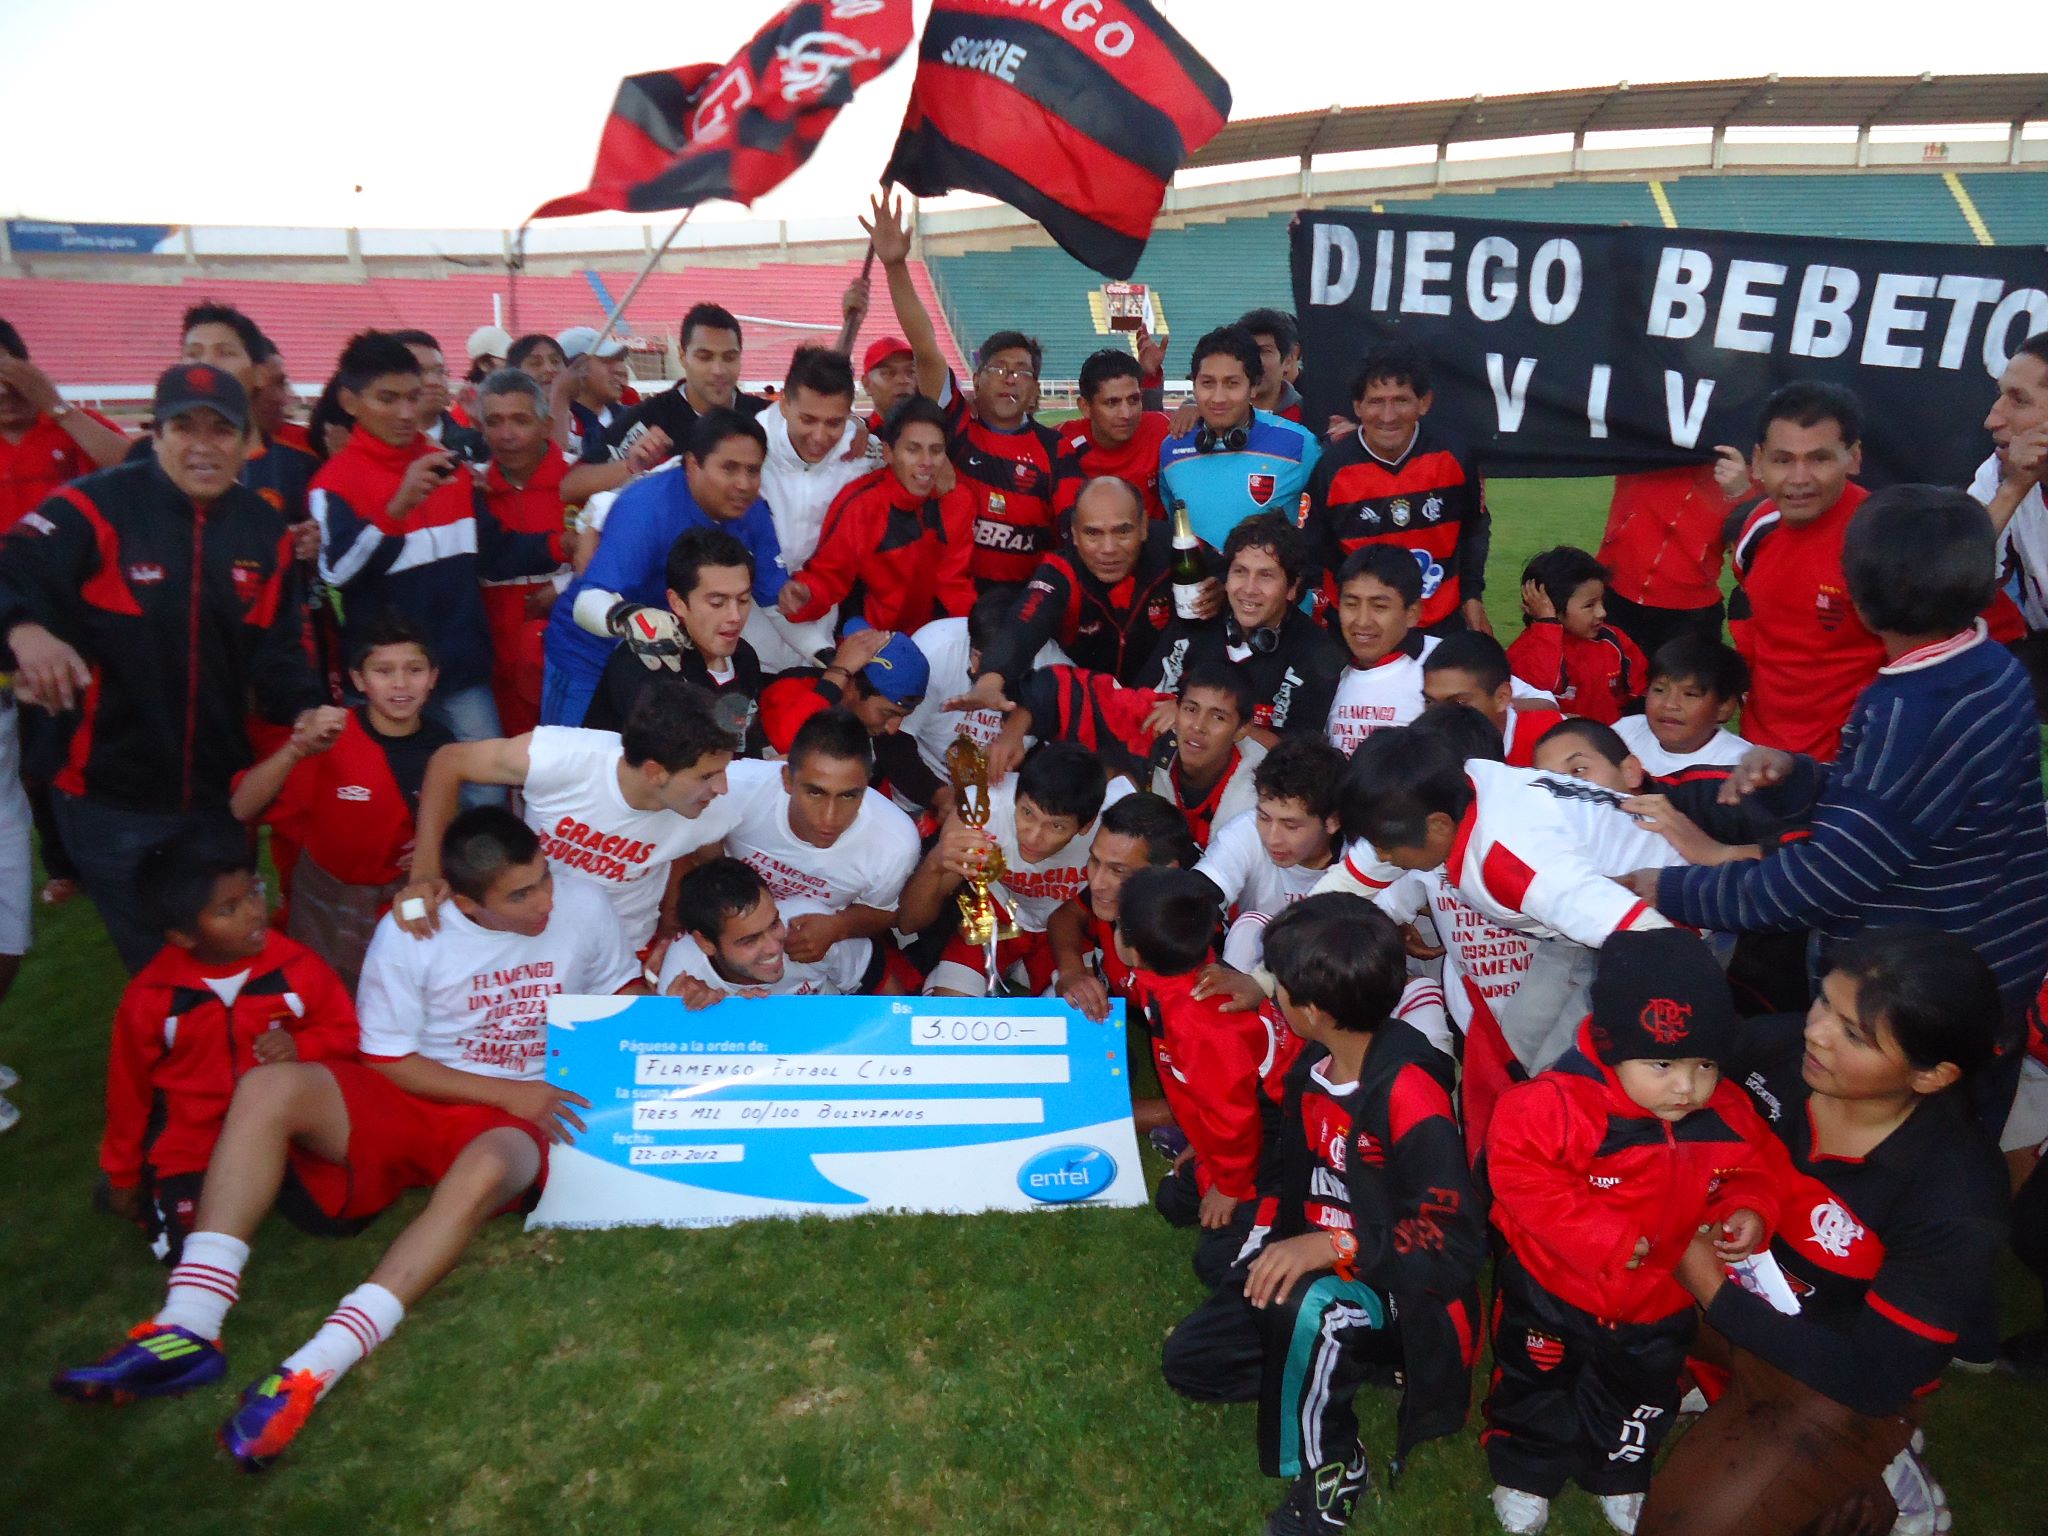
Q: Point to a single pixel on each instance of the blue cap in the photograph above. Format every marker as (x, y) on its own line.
(900, 673)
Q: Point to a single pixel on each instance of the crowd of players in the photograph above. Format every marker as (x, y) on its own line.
(1446, 951)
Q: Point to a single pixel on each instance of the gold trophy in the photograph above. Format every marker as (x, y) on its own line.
(982, 918)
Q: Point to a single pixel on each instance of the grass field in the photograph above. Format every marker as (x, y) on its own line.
(991, 1375)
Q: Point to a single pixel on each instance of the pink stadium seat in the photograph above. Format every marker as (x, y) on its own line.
(114, 334)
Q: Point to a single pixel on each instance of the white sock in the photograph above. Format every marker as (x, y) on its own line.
(204, 1283)
(366, 1317)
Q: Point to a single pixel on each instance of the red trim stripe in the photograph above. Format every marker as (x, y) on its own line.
(1907, 1321)
(359, 1325)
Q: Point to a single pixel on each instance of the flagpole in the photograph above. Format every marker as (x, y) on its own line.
(618, 309)
(852, 327)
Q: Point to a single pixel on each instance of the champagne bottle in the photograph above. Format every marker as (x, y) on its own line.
(1190, 568)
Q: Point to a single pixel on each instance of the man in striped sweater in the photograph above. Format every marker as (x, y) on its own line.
(1932, 816)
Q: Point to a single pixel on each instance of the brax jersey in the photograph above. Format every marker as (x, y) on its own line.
(586, 828)
(1889, 1254)
(1136, 462)
(1429, 501)
(1224, 486)
(476, 999)
(1033, 892)
(1377, 698)
(1010, 476)
(866, 867)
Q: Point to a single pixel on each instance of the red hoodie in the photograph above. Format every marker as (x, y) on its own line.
(1592, 678)
(1580, 1172)
(178, 1051)
(1224, 1075)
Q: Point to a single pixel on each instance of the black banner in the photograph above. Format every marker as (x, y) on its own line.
(1571, 349)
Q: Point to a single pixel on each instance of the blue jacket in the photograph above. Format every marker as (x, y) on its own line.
(1227, 485)
(632, 560)
(1932, 817)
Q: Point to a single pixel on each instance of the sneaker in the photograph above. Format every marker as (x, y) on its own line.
(1519, 1513)
(155, 1362)
(1321, 1500)
(1169, 1141)
(8, 1077)
(1923, 1507)
(271, 1412)
(10, 1114)
(1622, 1511)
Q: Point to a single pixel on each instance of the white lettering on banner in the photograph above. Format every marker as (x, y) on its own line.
(1562, 257)
(1596, 400)
(1509, 400)
(1686, 418)
(2000, 336)
(683, 1114)
(1888, 316)
(1740, 302)
(1678, 302)
(1491, 299)
(704, 1152)
(1821, 326)
(829, 1068)
(1421, 269)
(990, 55)
(1383, 268)
(1966, 295)
(1335, 242)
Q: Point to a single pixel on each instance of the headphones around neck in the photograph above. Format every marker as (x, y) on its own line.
(1207, 440)
(1263, 642)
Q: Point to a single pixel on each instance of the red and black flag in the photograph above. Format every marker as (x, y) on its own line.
(1076, 112)
(677, 137)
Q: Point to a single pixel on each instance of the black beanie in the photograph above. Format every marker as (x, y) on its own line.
(1660, 996)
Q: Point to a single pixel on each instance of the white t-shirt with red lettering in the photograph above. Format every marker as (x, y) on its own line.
(475, 999)
(1377, 698)
(866, 867)
(1033, 892)
(1237, 864)
(586, 828)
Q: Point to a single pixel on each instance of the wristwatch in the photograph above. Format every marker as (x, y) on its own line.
(1347, 1254)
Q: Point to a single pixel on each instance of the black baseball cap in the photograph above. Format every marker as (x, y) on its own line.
(1660, 996)
(191, 386)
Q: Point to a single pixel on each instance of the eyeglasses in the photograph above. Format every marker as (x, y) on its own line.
(1008, 374)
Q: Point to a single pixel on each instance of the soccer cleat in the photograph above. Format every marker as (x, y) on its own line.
(1622, 1511)
(155, 1362)
(271, 1412)
(1519, 1513)
(1321, 1500)
(1923, 1507)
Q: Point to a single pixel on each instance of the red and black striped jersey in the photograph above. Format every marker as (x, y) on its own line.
(1430, 502)
(1136, 463)
(1010, 477)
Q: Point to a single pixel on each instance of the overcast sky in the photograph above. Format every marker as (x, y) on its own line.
(434, 113)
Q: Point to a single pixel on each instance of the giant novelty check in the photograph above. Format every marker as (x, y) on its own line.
(835, 1105)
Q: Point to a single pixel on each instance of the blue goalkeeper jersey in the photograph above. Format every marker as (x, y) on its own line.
(1225, 486)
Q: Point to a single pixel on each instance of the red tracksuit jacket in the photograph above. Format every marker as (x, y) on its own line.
(178, 1051)
(897, 559)
(1224, 1075)
(1591, 678)
(1580, 1172)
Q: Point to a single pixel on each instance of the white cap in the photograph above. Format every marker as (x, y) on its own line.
(576, 341)
(489, 341)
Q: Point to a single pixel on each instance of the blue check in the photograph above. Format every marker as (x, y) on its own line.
(788, 1106)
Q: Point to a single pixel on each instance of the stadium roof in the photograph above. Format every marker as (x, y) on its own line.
(1868, 101)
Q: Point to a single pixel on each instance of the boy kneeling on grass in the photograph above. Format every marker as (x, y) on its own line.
(226, 994)
(1369, 1239)
(451, 1094)
(1602, 1169)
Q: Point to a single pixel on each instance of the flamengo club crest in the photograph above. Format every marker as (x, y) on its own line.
(1834, 1229)
(1260, 487)
(1663, 1020)
(1545, 1350)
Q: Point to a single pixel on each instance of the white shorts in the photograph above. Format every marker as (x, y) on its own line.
(2027, 1125)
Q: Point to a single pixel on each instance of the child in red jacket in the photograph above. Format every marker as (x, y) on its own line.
(1568, 648)
(225, 994)
(1602, 1170)
(1223, 1073)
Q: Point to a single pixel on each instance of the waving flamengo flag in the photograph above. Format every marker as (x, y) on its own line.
(677, 137)
(1076, 112)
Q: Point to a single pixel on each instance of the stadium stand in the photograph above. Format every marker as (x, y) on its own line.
(2012, 207)
(115, 335)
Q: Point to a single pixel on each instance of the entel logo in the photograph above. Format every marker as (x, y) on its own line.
(1063, 1175)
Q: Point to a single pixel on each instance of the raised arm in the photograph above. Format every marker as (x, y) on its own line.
(891, 235)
